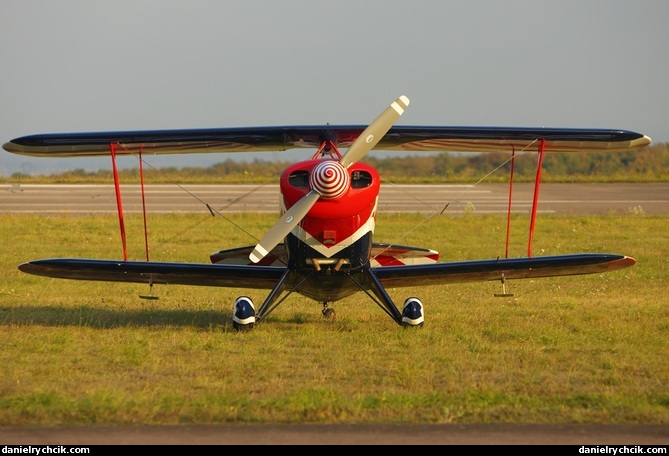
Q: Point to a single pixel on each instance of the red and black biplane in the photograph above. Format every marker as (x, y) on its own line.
(321, 246)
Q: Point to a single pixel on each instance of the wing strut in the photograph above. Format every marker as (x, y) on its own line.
(119, 204)
(141, 177)
(535, 201)
(508, 213)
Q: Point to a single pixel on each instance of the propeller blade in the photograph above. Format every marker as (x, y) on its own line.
(363, 144)
(374, 132)
(284, 225)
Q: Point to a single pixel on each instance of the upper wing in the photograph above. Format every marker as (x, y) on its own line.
(498, 139)
(259, 139)
(215, 275)
(499, 269)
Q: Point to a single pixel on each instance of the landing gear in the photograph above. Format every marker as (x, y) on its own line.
(243, 314)
(412, 313)
(328, 312)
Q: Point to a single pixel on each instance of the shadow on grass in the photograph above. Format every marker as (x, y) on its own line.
(105, 318)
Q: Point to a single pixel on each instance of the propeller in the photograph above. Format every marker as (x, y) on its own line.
(374, 132)
(360, 147)
(283, 226)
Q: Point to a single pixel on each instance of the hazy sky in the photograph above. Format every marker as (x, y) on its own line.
(84, 65)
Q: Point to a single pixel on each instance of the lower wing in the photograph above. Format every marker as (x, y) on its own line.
(266, 277)
(151, 272)
(500, 269)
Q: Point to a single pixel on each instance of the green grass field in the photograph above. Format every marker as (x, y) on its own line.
(586, 349)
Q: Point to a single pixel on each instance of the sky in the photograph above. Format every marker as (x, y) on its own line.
(84, 65)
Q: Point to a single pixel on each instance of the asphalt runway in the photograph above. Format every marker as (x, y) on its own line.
(452, 199)
(343, 434)
(556, 198)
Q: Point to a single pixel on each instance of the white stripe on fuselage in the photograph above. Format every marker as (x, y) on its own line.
(329, 251)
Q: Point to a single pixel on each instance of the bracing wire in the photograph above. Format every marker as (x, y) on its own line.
(212, 211)
(443, 209)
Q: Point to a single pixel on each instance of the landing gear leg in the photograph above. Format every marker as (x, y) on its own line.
(328, 312)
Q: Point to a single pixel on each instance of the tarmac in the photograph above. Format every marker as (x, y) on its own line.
(342, 434)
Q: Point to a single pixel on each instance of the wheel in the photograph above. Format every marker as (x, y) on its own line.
(243, 314)
(412, 313)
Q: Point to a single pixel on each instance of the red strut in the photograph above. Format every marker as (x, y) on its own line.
(535, 202)
(141, 177)
(508, 213)
(119, 205)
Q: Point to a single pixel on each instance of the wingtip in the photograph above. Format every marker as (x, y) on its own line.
(14, 148)
(628, 261)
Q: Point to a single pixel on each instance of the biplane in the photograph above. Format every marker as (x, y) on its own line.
(322, 245)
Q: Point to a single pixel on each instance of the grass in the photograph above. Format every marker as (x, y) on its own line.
(585, 349)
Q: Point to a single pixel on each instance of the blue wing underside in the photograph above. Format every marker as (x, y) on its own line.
(265, 277)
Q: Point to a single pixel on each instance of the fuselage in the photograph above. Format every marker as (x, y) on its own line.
(334, 239)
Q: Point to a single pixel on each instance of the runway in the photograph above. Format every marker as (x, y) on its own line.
(343, 434)
(455, 199)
